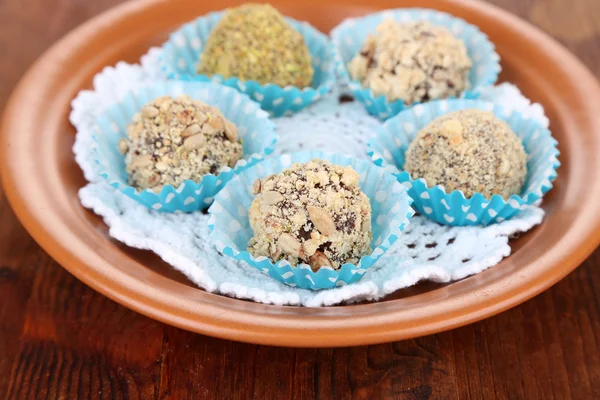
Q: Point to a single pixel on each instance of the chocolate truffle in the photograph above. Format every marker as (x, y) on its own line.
(313, 213)
(172, 140)
(413, 62)
(469, 150)
(254, 42)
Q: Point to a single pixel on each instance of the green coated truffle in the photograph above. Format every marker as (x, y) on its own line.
(254, 42)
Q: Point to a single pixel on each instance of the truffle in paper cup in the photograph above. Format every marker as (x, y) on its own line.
(254, 128)
(350, 35)
(389, 146)
(182, 53)
(231, 231)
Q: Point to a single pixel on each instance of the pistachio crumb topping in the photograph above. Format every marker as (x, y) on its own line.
(254, 42)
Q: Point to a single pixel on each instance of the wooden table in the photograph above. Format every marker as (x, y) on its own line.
(60, 339)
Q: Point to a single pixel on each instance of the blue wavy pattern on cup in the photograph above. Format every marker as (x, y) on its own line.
(231, 229)
(254, 128)
(182, 52)
(349, 36)
(389, 146)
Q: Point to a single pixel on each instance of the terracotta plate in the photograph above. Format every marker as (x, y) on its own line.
(41, 180)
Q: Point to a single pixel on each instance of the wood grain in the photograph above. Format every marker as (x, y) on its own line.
(61, 340)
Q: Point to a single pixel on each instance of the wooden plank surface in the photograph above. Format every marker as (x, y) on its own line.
(61, 340)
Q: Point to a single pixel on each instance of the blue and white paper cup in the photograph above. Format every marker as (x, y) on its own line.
(231, 231)
(349, 37)
(182, 53)
(254, 128)
(389, 146)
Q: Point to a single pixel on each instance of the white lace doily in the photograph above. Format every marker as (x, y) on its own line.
(426, 250)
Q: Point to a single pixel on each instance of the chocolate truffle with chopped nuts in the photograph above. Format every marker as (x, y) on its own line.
(413, 62)
(172, 140)
(471, 151)
(254, 42)
(313, 213)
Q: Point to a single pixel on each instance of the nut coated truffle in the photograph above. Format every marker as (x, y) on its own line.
(254, 42)
(313, 213)
(413, 62)
(172, 140)
(471, 151)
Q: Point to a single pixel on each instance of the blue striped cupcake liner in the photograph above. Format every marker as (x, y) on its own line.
(182, 53)
(389, 146)
(254, 128)
(231, 231)
(349, 37)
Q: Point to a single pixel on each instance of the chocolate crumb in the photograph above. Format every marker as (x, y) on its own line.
(345, 98)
